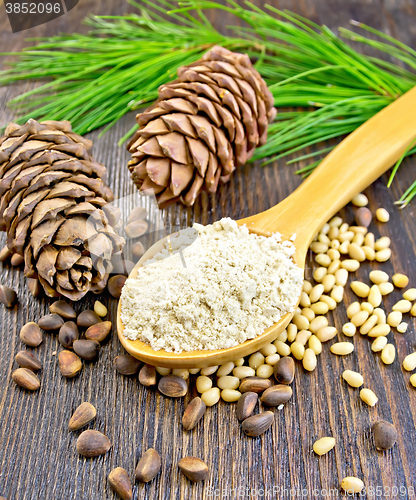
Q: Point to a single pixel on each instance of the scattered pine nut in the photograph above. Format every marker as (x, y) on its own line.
(360, 200)
(354, 379)
(342, 348)
(309, 360)
(225, 369)
(211, 396)
(323, 445)
(378, 277)
(353, 309)
(315, 344)
(337, 293)
(403, 306)
(298, 350)
(360, 318)
(410, 294)
(369, 324)
(388, 354)
(350, 265)
(374, 297)
(400, 280)
(366, 306)
(409, 362)
(307, 286)
(413, 310)
(360, 289)
(282, 349)
(323, 259)
(379, 331)
(394, 318)
(368, 396)
(318, 323)
(352, 485)
(381, 315)
(332, 304)
(378, 344)
(402, 327)
(413, 380)
(349, 329)
(356, 252)
(209, 370)
(326, 333)
(383, 255)
(382, 215)
(319, 274)
(382, 243)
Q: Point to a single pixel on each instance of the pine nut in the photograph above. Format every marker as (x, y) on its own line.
(328, 282)
(336, 221)
(316, 293)
(318, 247)
(211, 396)
(358, 237)
(381, 315)
(194, 371)
(320, 308)
(209, 370)
(307, 286)
(318, 323)
(410, 294)
(272, 359)
(326, 333)
(341, 277)
(239, 362)
(382, 243)
(374, 297)
(303, 336)
(360, 318)
(181, 372)
(379, 330)
(369, 324)
(360, 200)
(323, 238)
(282, 348)
(315, 344)
(402, 327)
(378, 277)
(225, 369)
(319, 274)
(332, 304)
(335, 244)
(409, 362)
(385, 288)
(203, 384)
(360, 289)
(383, 255)
(413, 310)
(246, 371)
(309, 360)
(230, 396)
(308, 313)
(323, 259)
(359, 230)
(403, 306)
(352, 485)
(369, 240)
(298, 350)
(163, 371)
(353, 309)
(323, 445)
(368, 396)
(334, 266)
(264, 371)
(382, 215)
(378, 344)
(268, 349)
(334, 254)
(337, 293)
(300, 321)
(342, 348)
(370, 253)
(366, 306)
(283, 336)
(343, 248)
(256, 360)
(400, 280)
(333, 233)
(413, 380)
(304, 300)
(349, 329)
(325, 228)
(292, 331)
(343, 227)
(356, 252)
(350, 265)
(354, 379)
(394, 318)
(388, 354)
(228, 382)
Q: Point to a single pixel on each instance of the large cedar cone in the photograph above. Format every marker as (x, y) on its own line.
(204, 124)
(53, 206)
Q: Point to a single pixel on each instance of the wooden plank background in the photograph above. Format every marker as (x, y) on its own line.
(38, 459)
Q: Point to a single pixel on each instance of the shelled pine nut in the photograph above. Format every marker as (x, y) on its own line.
(381, 315)
(315, 344)
(343, 227)
(402, 327)
(360, 318)
(309, 360)
(388, 354)
(325, 228)
(369, 324)
(351, 265)
(264, 371)
(382, 215)
(307, 286)
(272, 359)
(305, 301)
(282, 337)
(403, 306)
(368, 396)
(163, 371)
(385, 288)
(400, 280)
(370, 253)
(332, 304)
(328, 282)
(342, 348)
(369, 240)
(211, 396)
(336, 221)
(246, 371)
(300, 321)
(359, 230)
(410, 294)
(298, 350)
(228, 382)
(379, 331)
(239, 362)
(225, 369)
(366, 306)
(409, 362)
(337, 293)
(303, 336)
(353, 309)
(383, 255)
(268, 349)
(343, 248)
(282, 348)
(334, 266)
(413, 380)
(323, 445)
(333, 254)
(341, 277)
(203, 383)
(326, 333)
(382, 243)
(256, 360)
(360, 200)
(308, 313)
(316, 293)
(378, 344)
(318, 323)
(356, 252)
(354, 379)
(374, 297)
(323, 259)
(323, 238)
(292, 331)
(413, 310)
(229, 395)
(320, 308)
(349, 329)
(360, 289)
(378, 277)
(394, 318)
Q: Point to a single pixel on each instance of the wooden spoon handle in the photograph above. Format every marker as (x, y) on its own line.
(352, 166)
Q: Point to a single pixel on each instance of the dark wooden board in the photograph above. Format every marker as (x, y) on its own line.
(38, 459)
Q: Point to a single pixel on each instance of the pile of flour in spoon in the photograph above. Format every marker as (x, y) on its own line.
(234, 286)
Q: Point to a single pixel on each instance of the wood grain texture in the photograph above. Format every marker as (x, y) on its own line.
(38, 459)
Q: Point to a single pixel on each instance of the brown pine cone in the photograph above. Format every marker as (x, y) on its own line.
(204, 124)
(53, 206)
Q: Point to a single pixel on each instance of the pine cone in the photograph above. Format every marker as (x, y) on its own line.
(53, 205)
(204, 124)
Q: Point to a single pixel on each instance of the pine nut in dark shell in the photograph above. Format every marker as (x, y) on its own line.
(82, 416)
(92, 444)
(86, 349)
(26, 379)
(254, 384)
(64, 309)
(193, 413)
(51, 322)
(7, 296)
(363, 217)
(246, 405)
(26, 359)
(276, 395)
(194, 468)
(68, 334)
(88, 318)
(31, 334)
(99, 331)
(120, 483)
(17, 260)
(149, 466)
(115, 284)
(34, 287)
(385, 435)
(147, 375)
(257, 424)
(69, 364)
(127, 364)
(284, 370)
(173, 386)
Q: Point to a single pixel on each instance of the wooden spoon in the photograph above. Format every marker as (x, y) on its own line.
(352, 166)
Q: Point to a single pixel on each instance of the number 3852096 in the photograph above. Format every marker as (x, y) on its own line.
(33, 8)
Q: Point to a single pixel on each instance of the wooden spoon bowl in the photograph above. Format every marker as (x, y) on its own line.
(352, 166)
